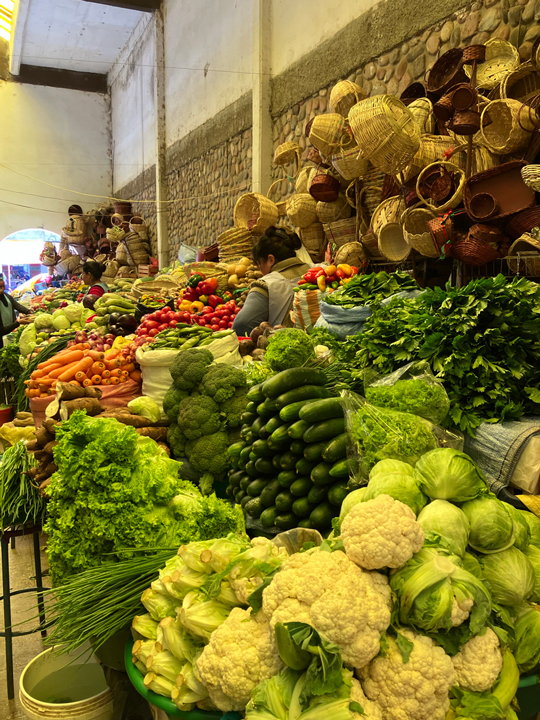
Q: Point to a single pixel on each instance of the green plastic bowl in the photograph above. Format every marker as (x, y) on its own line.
(160, 701)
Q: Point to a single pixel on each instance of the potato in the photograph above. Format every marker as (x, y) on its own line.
(257, 274)
(245, 261)
(233, 281)
(231, 269)
(240, 271)
(258, 354)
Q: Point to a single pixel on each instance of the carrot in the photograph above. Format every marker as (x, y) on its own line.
(122, 379)
(130, 367)
(114, 381)
(97, 379)
(56, 359)
(136, 375)
(80, 376)
(80, 366)
(124, 373)
(87, 382)
(106, 374)
(112, 364)
(115, 372)
(95, 355)
(107, 381)
(98, 368)
(111, 354)
(44, 381)
(75, 382)
(86, 346)
(41, 373)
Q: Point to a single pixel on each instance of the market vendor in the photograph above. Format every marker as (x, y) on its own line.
(8, 309)
(91, 276)
(270, 299)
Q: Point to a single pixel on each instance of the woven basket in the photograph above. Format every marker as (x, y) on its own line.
(344, 95)
(255, 212)
(331, 212)
(373, 182)
(137, 225)
(303, 179)
(447, 72)
(314, 240)
(416, 231)
(350, 164)
(392, 244)
(324, 187)
(302, 210)
(234, 243)
(501, 58)
(457, 195)
(474, 249)
(521, 84)
(389, 211)
(432, 148)
(286, 153)
(523, 222)
(386, 132)
(341, 232)
(326, 131)
(411, 93)
(352, 253)
(505, 184)
(531, 176)
(209, 269)
(509, 129)
(483, 159)
(422, 112)
(369, 241)
(121, 254)
(524, 255)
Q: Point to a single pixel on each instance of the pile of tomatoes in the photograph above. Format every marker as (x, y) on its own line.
(219, 318)
(159, 320)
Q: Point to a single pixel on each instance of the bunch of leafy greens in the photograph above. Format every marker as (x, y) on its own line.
(10, 366)
(288, 348)
(115, 491)
(482, 341)
(414, 395)
(370, 289)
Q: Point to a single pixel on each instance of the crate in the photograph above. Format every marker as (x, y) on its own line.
(147, 270)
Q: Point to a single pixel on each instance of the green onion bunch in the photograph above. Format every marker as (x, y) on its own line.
(20, 500)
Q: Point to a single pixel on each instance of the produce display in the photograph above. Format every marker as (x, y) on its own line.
(116, 312)
(370, 289)
(186, 336)
(329, 278)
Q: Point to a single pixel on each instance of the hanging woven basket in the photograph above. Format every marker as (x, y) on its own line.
(432, 148)
(286, 153)
(350, 163)
(341, 232)
(510, 128)
(302, 210)
(446, 72)
(255, 212)
(324, 187)
(314, 240)
(333, 211)
(422, 112)
(524, 255)
(304, 178)
(440, 169)
(501, 58)
(531, 176)
(416, 231)
(344, 95)
(326, 131)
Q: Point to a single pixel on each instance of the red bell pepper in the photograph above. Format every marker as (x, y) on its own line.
(354, 270)
(190, 294)
(214, 301)
(340, 274)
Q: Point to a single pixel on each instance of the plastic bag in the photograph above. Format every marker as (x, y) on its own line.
(379, 434)
(187, 253)
(9, 434)
(412, 388)
(343, 321)
(306, 308)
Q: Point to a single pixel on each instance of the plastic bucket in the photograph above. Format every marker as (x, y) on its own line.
(65, 687)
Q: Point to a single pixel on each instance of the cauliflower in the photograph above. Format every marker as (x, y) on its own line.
(347, 606)
(249, 573)
(382, 532)
(222, 381)
(371, 709)
(189, 367)
(241, 653)
(416, 690)
(461, 610)
(198, 416)
(479, 662)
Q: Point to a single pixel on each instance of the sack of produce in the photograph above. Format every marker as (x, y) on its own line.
(343, 321)
(307, 308)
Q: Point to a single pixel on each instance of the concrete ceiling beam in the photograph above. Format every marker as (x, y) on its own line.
(142, 5)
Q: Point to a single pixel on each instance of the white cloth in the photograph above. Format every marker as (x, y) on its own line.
(304, 256)
(280, 296)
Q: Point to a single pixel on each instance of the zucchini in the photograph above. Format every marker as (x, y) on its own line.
(258, 425)
(254, 507)
(242, 465)
(288, 461)
(264, 466)
(240, 495)
(302, 507)
(251, 407)
(278, 446)
(322, 516)
(245, 481)
(313, 451)
(245, 453)
(322, 410)
(276, 462)
(244, 501)
(290, 412)
(304, 467)
(306, 523)
(255, 487)
(252, 456)
(301, 487)
(337, 493)
(318, 494)
(297, 429)
(285, 521)
(325, 430)
(261, 449)
(235, 477)
(341, 468)
(297, 447)
(255, 394)
(290, 379)
(249, 437)
(320, 474)
(273, 424)
(248, 418)
(286, 478)
(268, 516)
(284, 501)
(281, 435)
(263, 432)
(306, 392)
(336, 448)
(251, 469)
(235, 449)
(270, 493)
(267, 409)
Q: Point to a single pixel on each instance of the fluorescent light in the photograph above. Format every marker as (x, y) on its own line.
(8, 4)
(5, 34)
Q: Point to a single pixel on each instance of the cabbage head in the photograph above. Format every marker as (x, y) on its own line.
(492, 527)
(352, 499)
(386, 467)
(534, 526)
(533, 553)
(43, 321)
(60, 322)
(73, 312)
(146, 407)
(471, 564)
(527, 648)
(522, 533)
(399, 486)
(27, 340)
(435, 593)
(510, 576)
(447, 474)
(449, 523)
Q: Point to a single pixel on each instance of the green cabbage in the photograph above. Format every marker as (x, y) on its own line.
(43, 321)
(448, 474)
(60, 322)
(352, 499)
(492, 528)
(522, 533)
(73, 312)
(401, 487)
(534, 526)
(527, 648)
(146, 407)
(510, 576)
(386, 467)
(533, 553)
(27, 340)
(449, 523)
(471, 564)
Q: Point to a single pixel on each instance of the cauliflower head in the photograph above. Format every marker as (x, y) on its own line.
(241, 653)
(347, 606)
(249, 573)
(371, 709)
(479, 662)
(416, 690)
(382, 532)
(189, 367)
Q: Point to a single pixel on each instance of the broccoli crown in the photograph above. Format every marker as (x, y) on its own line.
(288, 348)
(221, 382)
(177, 440)
(209, 453)
(234, 407)
(189, 367)
(171, 401)
(198, 416)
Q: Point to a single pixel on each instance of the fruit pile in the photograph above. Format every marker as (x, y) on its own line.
(329, 278)
(160, 320)
(291, 469)
(219, 317)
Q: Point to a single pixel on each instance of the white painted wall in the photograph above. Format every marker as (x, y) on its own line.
(133, 105)
(59, 136)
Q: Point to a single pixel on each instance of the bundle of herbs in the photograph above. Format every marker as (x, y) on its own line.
(370, 289)
(20, 501)
(10, 367)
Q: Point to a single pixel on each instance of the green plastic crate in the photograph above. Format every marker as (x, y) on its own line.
(528, 697)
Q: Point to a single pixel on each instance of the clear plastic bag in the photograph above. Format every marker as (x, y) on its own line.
(411, 389)
(380, 434)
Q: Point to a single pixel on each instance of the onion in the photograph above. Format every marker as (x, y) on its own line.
(105, 347)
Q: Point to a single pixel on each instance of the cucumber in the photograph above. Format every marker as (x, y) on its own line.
(270, 493)
(235, 477)
(242, 465)
(240, 495)
(284, 501)
(244, 501)
(336, 448)
(248, 418)
(267, 409)
(318, 494)
(322, 516)
(337, 493)
(264, 466)
(278, 447)
(297, 429)
(325, 430)
(255, 487)
(285, 521)
(251, 469)
(320, 474)
(301, 487)
(306, 523)
(255, 394)
(313, 452)
(244, 430)
(290, 412)
(245, 481)
(304, 467)
(306, 392)
(288, 461)
(229, 491)
(322, 410)
(249, 437)
(261, 449)
(341, 468)
(280, 435)
(286, 478)
(276, 462)
(302, 507)
(235, 449)
(252, 456)
(268, 516)
(258, 425)
(297, 447)
(252, 406)
(273, 424)
(245, 453)
(290, 379)
(263, 432)
(254, 507)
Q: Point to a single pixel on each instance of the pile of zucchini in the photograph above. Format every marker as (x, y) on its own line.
(290, 469)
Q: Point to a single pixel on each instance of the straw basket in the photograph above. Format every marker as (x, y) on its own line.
(531, 176)
(453, 201)
(386, 132)
(302, 210)
(524, 255)
(326, 131)
(392, 244)
(314, 240)
(389, 211)
(482, 159)
(447, 72)
(422, 112)
(344, 95)
(137, 224)
(373, 182)
(501, 58)
(510, 129)
(255, 212)
(331, 212)
(234, 243)
(432, 148)
(369, 241)
(523, 222)
(412, 92)
(352, 253)
(416, 231)
(324, 187)
(479, 247)
(286, 153)
(350, 164)
(522, 83)
(303, 179)
(341, 232)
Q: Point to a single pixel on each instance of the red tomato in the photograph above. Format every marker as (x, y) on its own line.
(153, 332)
(229, 325)
(178, 315)
(226, 317)
(173, 324)
(215, 328)
(223, 324)
(230, 305)
(220, 313)
(163, 326)
(237, 310)
(201, 321)
(151, 324)
(142, 332)
(186, 317)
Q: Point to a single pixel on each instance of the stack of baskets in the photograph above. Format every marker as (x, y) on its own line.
(131, 250)
(234, 244)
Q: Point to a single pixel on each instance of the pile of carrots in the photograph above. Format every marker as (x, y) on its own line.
(81, 366)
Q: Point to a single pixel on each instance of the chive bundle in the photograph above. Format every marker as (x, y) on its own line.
(20, 500)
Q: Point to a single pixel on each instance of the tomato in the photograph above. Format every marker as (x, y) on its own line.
(214, 328)
(226, 317)
(142, 332)
(237, 310)
(186, 317)
(173, 324)
(220, 313)
(230, 305)
(230, 326)
(153, 332)
(223, 324)
(163, 326)
(178, 315)
(207, 310)
(201, 320)
(151, 324)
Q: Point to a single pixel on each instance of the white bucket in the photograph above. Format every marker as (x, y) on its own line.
(65, 687)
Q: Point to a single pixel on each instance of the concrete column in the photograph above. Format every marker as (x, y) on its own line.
(262, 120)
(162, 194)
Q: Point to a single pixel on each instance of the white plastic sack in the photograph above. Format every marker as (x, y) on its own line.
(155, 364)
